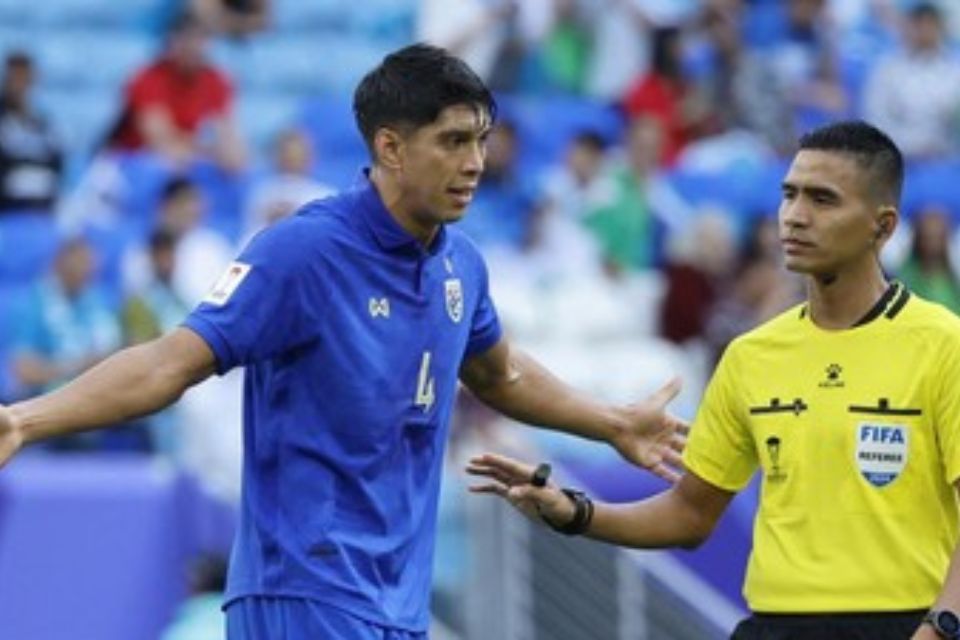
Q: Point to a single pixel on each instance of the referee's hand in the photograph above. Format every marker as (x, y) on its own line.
(10, 437)
(512, 480)
(650, 437)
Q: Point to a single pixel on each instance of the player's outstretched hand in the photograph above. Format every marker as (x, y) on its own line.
(10, 437)
(652, 438)
(512, 480)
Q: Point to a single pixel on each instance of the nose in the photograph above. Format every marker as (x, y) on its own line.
(473, 165)
(793, 213)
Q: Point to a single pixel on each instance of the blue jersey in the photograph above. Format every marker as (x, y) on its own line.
(353, 335)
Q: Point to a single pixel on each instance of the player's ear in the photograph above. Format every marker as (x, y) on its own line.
(388, 148)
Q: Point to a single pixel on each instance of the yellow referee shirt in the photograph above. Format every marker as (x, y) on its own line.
(857, 434)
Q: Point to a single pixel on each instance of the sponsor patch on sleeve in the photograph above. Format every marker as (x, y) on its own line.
(227, 284)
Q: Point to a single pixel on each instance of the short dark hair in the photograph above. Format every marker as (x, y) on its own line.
(925, 9)
(872, 149)
(176, 187)
(411, 86)
(591, 139)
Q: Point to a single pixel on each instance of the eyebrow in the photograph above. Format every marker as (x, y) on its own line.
(813, 190)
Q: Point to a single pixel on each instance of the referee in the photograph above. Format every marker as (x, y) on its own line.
(849, 407)
(356, 320)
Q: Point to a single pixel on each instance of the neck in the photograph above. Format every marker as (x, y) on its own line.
(838, 302)
(399, 208)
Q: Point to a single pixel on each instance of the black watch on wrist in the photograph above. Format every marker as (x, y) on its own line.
(944, 622)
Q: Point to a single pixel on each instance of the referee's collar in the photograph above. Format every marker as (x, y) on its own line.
(387, 232)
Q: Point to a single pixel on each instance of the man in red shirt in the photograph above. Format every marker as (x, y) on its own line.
(180, 105)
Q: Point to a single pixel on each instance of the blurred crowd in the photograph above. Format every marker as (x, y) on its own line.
(628, 206)
(597, 235)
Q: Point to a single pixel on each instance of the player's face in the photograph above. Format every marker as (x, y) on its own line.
(442, 163)
(827, 216)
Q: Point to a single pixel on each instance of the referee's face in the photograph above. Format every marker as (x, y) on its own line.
(441, 164)
(827, 215)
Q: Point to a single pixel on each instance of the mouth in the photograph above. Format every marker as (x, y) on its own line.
(462, 195)
(795, 245)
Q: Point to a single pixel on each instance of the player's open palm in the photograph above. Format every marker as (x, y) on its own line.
(10, 437)
(654, 439)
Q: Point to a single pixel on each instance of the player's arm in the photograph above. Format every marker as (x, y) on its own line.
(684, 515)
(516, 385)
(133, 382)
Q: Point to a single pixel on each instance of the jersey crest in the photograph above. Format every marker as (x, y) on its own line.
(453, 291)
(882, 451)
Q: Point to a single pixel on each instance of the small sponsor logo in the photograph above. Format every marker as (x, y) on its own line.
(227, 284)
(832, 379)
(379, 307)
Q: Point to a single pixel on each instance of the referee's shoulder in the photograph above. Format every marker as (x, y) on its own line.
(931, 318)
(776, 328)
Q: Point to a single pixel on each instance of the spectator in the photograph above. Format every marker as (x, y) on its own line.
(928, 270)
(232, 18)
(31, 162)
(619, 215)
(503, 206)
(666, 94)
(914, 93)
(805, 60)
(697, 274)
(760, 289)
(493, 36)
(742, 86)
(201, 253)
(289, 186)
(64, 326)
(147, 314)
(180, 106)
(561, 243)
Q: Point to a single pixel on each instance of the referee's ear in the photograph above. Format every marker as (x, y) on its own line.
(387, 148)
(886, 224)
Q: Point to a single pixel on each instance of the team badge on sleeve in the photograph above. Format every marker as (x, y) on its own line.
(882, 452)
(228, 283)
(454, 296)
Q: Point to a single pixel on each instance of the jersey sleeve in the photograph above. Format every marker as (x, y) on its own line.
(485, 328)
(262, 306)
(720, 449)
(946, 401)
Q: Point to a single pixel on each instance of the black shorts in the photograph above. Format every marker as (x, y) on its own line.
(837, 626)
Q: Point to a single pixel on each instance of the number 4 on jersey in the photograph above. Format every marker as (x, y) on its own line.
(425, 392)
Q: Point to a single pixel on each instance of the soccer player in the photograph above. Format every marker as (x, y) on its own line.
(849, 405)
(355, 319)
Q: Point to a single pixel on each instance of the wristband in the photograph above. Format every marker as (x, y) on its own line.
(582, 515)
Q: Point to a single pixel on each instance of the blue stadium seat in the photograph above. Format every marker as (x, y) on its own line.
(932, 183)
(83, 13)
(225, 195)
(88, 58)
(262, 115)
(28, 242)
(312, 15)
(330, 123)
(546, 124)
(81, 118)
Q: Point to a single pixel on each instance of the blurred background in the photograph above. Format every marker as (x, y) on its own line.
(627, 214)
